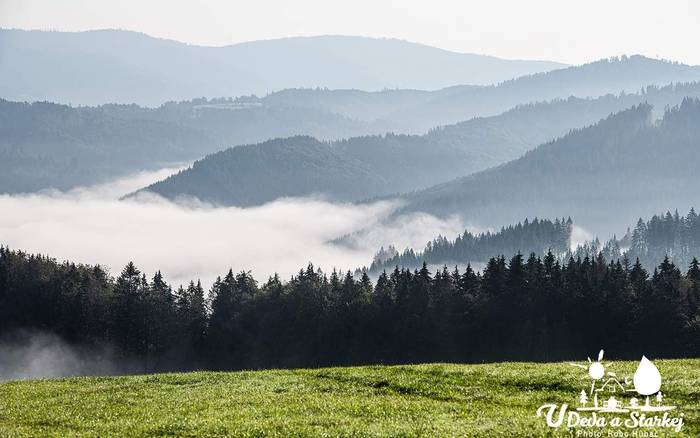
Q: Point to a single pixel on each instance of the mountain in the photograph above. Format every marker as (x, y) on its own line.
(118, 66)
(45, 145)
(416, 111)
(605, 176)
(368, 166)
(91, 149)
(615, 75)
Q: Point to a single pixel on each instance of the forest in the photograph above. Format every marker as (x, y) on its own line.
(530, 236)
(605, 176)
(517, 308)
(368, 166)
(668, 234)
(664, 235)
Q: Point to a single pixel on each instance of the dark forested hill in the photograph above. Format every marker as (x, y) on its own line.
(381, 165)
(605, 176)
(120, 66)
(249, 175)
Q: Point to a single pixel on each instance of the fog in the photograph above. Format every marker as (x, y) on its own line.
(34, 355)
(188, 240)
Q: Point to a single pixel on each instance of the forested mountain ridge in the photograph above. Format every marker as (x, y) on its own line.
(392, 163)
(88, 148)
(46, 145)
(321, 113)
(615, 75)
(50, 66)
(416, 111)
(100, 66)
(254, 174)
(606, 176)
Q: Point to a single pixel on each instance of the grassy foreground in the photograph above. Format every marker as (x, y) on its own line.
(424, 400)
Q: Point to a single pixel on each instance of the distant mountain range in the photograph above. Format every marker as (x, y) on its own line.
(49, 145)
(604, 176)
(46, 145)
(416, 112)
(370, 166)
(624, 74)
(95, 67)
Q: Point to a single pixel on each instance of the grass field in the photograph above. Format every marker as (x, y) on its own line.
(423, 400)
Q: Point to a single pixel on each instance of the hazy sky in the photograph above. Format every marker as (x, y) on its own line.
(561, 30)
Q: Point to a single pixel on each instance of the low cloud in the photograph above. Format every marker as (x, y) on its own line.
(190, 240)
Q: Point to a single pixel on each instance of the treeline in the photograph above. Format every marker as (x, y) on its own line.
(517, 309)
(537, 236)
(664, 235)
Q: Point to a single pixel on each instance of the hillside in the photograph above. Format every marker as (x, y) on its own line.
(102, 66)
(605, 176)
(46, 145)
(41, 152)
(369, 166)
(416, 112)
(627, 74)
(419, 400)
(253, 174)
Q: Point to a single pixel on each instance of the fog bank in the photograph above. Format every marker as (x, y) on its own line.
(190, 240)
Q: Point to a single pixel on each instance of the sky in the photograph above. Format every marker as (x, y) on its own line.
(567, 31)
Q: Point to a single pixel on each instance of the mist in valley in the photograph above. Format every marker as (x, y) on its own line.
(189, 240)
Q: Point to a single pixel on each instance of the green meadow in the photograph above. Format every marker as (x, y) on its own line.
(442, 400)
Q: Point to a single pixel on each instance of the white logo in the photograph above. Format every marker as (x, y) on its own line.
(608, 398)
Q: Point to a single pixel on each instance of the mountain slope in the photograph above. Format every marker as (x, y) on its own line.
(119, 66)
(381, 165)
(252, 174)
(625, 74)
(45, 145)
(213, 124)
(604, 176)
(416, 112)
